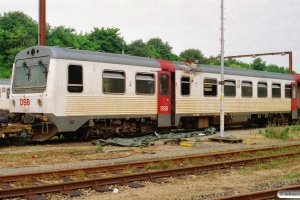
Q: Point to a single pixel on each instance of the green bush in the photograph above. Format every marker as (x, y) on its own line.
(274, 132)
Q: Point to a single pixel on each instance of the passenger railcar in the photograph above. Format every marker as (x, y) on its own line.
(4, 94)
(88, 94)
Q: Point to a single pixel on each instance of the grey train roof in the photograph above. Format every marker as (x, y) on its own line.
(83, 55)
(245, 72)
(4, 81)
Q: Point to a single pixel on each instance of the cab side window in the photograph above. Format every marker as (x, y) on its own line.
(75, 83)
(185, 86)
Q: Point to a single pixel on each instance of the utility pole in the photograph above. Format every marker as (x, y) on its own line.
(222, 73)
(42, 23)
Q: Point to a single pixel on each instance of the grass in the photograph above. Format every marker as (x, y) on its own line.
(281, 133)
(130, 170)
(53, 178)
(152, 166)
(166, 164)
(80, 175)
(272, 164)
(24, 183)
(186, 161)
(99, 148)
(292, 176)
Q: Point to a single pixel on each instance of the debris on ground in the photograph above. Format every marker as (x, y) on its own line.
(144, 140)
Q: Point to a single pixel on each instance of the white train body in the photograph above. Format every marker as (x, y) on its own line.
(4, 94)
(63, 90)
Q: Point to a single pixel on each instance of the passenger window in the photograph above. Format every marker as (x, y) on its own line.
(185, 85)
(276, 91)
(229, 88)
(7, 93)
(144, 83)
(246, 89)
(113, 82)
(75, 83)
(210, 87)
(288, 91)
(262, 90)
(164, 84)
(3, 89)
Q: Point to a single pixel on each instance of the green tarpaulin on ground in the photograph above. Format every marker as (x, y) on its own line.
(146, 140)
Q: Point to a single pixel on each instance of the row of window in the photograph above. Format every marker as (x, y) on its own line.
(230, 87)
(114, 82)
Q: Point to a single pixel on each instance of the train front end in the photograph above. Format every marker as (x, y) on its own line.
(28, 99)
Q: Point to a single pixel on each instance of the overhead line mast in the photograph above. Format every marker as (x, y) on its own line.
(222, 73)
(42, 23)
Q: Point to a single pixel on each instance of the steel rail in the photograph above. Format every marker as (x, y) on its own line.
(140, 164)
(265, 194)
(125, 179)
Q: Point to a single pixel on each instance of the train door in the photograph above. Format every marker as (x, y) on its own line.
(295, 100)
(166, 98)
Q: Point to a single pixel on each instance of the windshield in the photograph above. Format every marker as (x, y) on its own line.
(30, 75)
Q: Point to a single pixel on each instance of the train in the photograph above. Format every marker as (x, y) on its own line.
(89, 94)
(4, 95)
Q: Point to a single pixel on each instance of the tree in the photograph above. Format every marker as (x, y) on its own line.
(158, 47)
(62, 36)
(174, 57)
(18, 31)
(153, 52)
(258, 64)
(138, 48)
(192, 54)
(107, 40)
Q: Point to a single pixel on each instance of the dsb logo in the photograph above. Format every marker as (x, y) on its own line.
(24, 102)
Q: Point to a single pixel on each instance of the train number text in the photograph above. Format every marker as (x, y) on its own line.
(163, 108)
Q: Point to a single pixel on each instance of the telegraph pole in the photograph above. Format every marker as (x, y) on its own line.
(42, 23)
(222, 73)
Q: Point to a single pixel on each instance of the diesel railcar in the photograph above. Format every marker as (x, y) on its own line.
(4, 94)
(89, 94)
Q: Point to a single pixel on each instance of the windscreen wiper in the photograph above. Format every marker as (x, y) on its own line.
(43, 66)
(26, 67)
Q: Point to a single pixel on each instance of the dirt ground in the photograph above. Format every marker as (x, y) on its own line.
(49, 154)
(46, 157)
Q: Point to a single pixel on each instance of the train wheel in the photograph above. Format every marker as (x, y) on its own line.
(22, 139)
(70, 136)
(3, 141)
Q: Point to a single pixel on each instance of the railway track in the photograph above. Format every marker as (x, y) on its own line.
(92, 178)
(266, 194)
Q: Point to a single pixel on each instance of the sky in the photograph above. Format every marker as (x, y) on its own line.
(251, 26)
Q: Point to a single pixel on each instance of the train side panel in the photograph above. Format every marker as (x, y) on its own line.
(92, 102)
